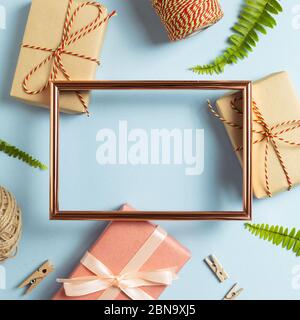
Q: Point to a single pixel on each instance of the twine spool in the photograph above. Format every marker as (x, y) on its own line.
(183, 18)
(10, 225)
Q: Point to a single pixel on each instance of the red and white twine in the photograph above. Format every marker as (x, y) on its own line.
(182, 18)
(68, 38)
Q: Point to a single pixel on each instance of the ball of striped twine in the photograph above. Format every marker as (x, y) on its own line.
(10, 225)
(183, 18)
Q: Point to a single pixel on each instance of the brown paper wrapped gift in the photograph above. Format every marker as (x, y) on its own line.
(276, 133)
(62, 41)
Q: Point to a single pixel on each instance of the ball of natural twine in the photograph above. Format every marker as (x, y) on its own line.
(10, 225)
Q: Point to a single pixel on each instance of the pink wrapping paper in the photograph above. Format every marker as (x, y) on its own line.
(117, 245)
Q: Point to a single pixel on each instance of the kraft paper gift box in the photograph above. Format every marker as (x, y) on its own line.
(43, 36)
(276, 133)
(118, 246)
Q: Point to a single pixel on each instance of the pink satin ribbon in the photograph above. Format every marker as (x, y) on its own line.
(128, 281)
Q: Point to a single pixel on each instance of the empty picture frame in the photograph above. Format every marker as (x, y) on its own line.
(56, 87)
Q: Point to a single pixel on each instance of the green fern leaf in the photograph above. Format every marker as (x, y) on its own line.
(14, 152)
(256, 16)
(278, 235)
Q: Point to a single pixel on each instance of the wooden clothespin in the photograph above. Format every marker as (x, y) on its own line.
(216, 268)
(233, 293)
(34, 280)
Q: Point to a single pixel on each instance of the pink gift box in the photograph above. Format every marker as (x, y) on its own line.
(118, 244)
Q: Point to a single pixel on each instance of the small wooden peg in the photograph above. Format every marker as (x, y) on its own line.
(35, 278)
(216, 268)
(233, 293)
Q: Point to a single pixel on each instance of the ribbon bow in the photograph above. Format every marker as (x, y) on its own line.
(270, 134)
(103, 279)
(68, 38)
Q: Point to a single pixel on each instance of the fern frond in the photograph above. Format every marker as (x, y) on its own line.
(14, 152)
(277, 235)
(256, 17)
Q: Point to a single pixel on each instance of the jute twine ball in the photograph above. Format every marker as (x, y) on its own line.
(10, 225)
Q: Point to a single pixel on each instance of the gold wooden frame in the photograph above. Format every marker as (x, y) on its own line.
(244, 86)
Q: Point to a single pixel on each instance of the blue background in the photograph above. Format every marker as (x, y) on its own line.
(137, 47)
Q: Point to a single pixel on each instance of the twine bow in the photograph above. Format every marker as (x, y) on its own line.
(68, 38)
(127, 282)
(270, 134)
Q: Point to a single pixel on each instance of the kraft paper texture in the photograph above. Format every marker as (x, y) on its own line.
(44, 28)
(277, 101)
